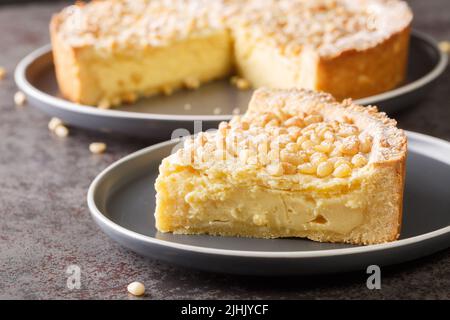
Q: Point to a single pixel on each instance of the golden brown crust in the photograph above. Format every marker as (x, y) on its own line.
(65, 62)
(359, 74)
(401, 163)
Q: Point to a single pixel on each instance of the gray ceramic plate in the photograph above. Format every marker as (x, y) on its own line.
(122, 203)
(158, 117)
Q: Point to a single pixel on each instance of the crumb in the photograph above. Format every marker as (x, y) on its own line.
(187, 107)
(236, 111)
(217, 111)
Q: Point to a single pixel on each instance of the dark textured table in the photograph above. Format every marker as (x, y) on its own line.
(45, 225)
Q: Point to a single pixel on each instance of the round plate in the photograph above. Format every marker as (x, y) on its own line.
(159, 116)
(122, 202)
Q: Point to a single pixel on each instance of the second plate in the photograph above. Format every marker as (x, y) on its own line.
(158, 117)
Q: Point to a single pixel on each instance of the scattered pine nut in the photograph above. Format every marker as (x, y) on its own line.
(217, 111)
(20, 98)
(130, 97)
(54, 123)
(2, 73)
(116, 101)
(61, 131)
(167, 90)
(240, 83)
(97, 147)
(236, 111)
(136, 289)
(104, 104)
(243, 84)
(192, 83)
(444, 46)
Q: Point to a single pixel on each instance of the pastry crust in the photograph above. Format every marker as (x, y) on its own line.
(350, 48)
(65, 61)
(271, 197)
(358, 75)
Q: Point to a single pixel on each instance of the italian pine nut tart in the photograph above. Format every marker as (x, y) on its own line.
(296, 164)
(114, 51)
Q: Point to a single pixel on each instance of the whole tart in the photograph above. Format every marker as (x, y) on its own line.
(114, 51)
(297, 164)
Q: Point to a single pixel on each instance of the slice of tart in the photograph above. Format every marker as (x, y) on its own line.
(114, 51)
(297, 164)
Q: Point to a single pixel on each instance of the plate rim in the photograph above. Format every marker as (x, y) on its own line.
(102, 220)
(56, 102)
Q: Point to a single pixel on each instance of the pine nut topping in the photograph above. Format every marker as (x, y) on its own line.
(350, 146)
(307, 168)
(365, 143)
(283, 145)
(275, 169)
(324, 169)
(295, 121)
(313, 119)
(359, 161)
(317, 158)
(342, 171)
(288, 168)
(341, 161)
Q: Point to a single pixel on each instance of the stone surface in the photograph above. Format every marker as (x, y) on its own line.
(45, 224)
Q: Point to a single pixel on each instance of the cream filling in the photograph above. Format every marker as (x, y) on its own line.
(282, 211)
(264, 66)
(203, 203)
(160, 69)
